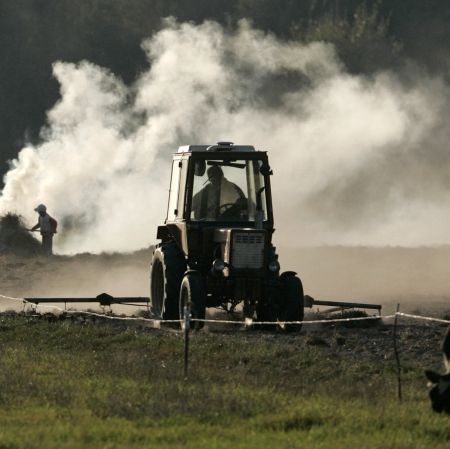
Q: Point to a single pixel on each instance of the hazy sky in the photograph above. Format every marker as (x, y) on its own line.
(356, 160)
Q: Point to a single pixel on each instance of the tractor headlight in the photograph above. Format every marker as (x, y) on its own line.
(274, 266)
(218, 265)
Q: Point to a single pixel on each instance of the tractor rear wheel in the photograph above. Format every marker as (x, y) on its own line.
(292, 302)
(193, 297)
(166, 273)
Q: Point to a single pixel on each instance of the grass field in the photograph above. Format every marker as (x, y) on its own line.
(89, 385)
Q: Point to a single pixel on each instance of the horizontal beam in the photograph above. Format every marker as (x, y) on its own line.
(104, 299)
(107, 300)
(115, 300)
(310, 302)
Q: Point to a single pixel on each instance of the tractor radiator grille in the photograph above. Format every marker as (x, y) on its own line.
(247, 250)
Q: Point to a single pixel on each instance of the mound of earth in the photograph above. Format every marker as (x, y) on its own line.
(15, 238)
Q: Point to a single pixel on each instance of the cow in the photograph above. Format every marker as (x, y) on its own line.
(440, 383)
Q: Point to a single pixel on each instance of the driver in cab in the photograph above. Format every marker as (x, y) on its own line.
(220, 198)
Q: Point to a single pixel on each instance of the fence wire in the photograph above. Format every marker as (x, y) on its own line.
(248, 321)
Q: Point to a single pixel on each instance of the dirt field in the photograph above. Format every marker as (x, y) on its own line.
(417, 278)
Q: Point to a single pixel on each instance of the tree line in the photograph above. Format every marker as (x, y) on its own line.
(369, 35)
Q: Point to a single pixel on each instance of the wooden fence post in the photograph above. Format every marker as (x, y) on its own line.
(397, 357)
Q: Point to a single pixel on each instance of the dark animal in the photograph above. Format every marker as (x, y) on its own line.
(440, 383)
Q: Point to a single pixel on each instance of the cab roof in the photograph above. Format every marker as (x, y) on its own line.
(219, 146)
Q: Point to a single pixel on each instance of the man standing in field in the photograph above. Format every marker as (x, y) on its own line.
(47, 225)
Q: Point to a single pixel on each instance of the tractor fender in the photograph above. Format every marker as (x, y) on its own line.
(288, 273)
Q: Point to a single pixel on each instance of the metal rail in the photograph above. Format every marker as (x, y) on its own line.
(103, 299)
(310, 302)
(348, 305)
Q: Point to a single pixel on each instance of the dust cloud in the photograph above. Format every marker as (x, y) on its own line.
(358, 160)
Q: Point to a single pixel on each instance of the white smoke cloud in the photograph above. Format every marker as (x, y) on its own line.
(357, 160)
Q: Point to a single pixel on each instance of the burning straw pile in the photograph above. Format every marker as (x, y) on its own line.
(14, 237)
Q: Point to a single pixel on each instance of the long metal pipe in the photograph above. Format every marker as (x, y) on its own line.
(107, 300)
(349, 305)
(104, 299)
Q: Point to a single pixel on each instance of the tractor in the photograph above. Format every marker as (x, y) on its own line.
(215, 247)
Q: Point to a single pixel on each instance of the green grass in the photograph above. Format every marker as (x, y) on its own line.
(71, 385)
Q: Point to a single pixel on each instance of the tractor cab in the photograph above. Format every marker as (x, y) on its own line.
(220, 183)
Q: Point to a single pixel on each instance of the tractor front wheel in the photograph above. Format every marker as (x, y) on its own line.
(193, 299)
(166, 272)
(292, 301)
